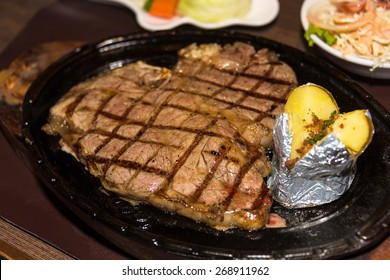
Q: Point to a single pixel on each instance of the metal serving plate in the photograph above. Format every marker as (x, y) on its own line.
(343, 228)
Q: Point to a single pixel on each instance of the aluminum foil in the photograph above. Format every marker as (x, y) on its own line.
(323, 175)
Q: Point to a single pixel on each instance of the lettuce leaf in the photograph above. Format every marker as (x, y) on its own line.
(323, 34)
(212, 11)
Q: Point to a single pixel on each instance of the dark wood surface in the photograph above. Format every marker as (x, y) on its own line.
(24, 201)
(14, 14)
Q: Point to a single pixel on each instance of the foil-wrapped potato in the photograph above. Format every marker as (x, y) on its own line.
(316, 147)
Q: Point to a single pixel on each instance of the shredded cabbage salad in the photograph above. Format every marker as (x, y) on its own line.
(359, 27)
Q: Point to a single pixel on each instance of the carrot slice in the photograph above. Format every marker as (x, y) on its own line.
(163, 8)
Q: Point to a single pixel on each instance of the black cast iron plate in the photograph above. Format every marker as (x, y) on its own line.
(347, 226)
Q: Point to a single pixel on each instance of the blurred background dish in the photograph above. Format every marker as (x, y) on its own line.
(352, 63)
(261, 13)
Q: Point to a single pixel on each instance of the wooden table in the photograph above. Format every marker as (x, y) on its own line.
(25, 202)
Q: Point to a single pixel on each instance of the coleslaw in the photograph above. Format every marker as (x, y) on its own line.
(360, 27)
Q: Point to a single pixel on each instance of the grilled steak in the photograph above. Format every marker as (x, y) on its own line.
(190, 140)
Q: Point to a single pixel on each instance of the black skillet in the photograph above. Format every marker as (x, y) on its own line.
(354, 223)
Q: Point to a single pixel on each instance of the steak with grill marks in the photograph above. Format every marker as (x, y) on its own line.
(190, 140)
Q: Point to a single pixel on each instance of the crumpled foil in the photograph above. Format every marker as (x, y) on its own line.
(323, 175)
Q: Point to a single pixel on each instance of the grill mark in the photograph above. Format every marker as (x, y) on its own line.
(196, 77)
(261, 196)
(158, 143)
(223, 87)
(123, 119)
(238, 137)
(231, 105)
(111, 135)
(112, 116)
(244, 169)
(72, 106)
(220, 155)
(70, 111)
(243, 73)
(97, 113)
(199, 136)
(262, 114)
(139, 134)
(93, 160)
(162, 127)
(146, 167)
(128, 164)
(260, 118)
(250, 92)
(265, 78)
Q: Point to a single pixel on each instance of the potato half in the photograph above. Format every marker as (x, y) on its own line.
(313, 113)
(355, 130)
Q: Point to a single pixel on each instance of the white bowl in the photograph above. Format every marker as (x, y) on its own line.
(261, 13)
(354, 64)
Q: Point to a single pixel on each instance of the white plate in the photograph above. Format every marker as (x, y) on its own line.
(354, 64)
(261, 13)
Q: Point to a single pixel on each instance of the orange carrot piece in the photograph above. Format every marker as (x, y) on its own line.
(163, 8)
